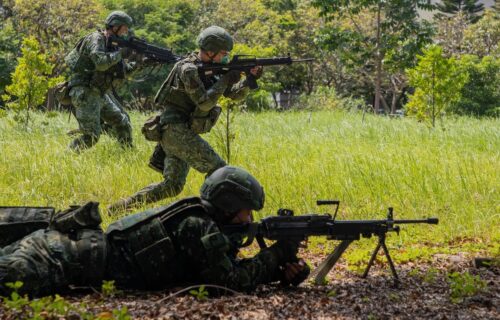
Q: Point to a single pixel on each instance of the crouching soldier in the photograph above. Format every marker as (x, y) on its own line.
(190, 107)
(178, 244)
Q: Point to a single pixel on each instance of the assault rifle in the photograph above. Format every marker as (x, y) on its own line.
(245, 63)
(153, 53)
(286, 226)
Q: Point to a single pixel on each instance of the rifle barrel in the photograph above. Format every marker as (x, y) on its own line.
(428, 220)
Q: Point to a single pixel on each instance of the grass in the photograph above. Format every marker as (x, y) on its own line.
(368, 163)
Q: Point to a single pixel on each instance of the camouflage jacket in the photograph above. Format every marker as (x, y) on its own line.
(93, 62)
(181, 244)
(184, 92)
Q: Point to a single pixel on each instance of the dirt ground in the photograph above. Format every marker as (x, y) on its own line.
(424, 293)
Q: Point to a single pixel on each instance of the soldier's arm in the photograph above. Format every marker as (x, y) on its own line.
(210, 249)
(238, 91)
(204, 99)
(97, 51)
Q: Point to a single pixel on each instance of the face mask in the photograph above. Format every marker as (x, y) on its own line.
(124, 36)
(225, 59)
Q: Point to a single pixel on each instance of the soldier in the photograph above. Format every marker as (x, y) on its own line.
(189, 102)
(96, 67)
(178, 244)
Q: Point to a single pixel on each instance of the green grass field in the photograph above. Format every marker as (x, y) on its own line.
(369, 164)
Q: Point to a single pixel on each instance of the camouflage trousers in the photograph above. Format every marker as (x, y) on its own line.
(47, 261)
(91, 106)
(183, 149)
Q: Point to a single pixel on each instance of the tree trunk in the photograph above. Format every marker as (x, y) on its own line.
(378, 58)
(50, 101)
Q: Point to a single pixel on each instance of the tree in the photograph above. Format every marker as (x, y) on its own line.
(368, 31)
(480, 95)
(483, 37)
(437, 81)
(472, 9)
(30, 80)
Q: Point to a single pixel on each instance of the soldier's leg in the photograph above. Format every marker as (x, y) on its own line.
(48, 261)
(113, 114)
(157, 159)
(174, 174)
(88, 103)
(182, 142)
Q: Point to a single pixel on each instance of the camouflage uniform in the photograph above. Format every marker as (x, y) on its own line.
(96, 69)
(188, 101)
(155, 249)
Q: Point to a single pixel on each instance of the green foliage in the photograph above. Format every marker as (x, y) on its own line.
(30, 80)
(368, 164)
(50, 307)
(200, 294)
(483, 37)
(472, 8)
(480, 95)
(108, 289)
(375, 41)
(325, 98)
(437, 81)
(464, 285)
(121, 314)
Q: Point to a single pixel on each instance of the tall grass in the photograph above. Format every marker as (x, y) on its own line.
(369, 163)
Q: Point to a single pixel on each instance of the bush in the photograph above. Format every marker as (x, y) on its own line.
(480, 96)
(326, 98)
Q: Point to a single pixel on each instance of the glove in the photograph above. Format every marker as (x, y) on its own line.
(231, 77)
(298, 278)
(259, 72)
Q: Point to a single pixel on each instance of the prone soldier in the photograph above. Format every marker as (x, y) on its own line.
(178, 244)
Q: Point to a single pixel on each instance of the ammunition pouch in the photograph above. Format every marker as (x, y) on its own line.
(61, 92)
(202, 122)
(152, 129)
(147, 243)
(18, 222)
(77, 218)
(91, 248)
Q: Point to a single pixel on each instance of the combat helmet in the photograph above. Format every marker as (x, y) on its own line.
(118, 18)
(215, 39)
(230, 189)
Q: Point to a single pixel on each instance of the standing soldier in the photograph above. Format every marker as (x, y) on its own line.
(189, 101)
(96, 67)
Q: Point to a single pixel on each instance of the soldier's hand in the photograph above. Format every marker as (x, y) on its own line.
(257, 72)
(296, 272)
(232, 77)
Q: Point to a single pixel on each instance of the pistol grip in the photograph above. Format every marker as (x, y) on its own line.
(251, 81)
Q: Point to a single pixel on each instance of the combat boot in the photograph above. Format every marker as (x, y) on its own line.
(157, 160)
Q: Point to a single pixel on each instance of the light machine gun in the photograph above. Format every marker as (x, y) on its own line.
(286, 226)
(245, 63)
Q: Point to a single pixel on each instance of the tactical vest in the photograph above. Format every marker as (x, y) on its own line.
(178, 106)
(142, 249)
(84, 69)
